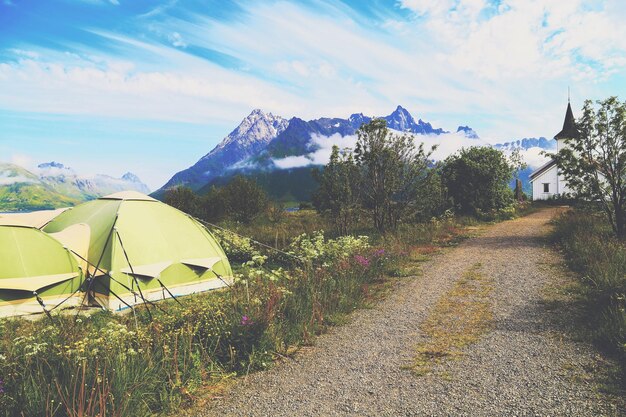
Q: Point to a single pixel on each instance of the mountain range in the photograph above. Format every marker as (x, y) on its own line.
(262, 142)
(53, 185)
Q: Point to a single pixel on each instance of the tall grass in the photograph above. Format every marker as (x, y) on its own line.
(600, 259)
(122, 365)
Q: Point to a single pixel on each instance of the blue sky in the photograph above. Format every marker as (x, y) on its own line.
(108, 86)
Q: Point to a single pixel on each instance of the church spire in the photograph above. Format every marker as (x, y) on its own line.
(569, 125)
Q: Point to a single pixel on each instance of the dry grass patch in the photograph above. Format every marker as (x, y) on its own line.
(460, 318)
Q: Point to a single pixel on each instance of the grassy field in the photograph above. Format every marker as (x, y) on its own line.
(130, 365)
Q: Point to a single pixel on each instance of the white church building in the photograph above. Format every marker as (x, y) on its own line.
(547, 181)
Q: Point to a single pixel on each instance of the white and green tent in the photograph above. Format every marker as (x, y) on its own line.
(135, 246)
(35, 269)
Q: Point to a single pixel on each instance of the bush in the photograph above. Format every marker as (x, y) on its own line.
(477, 179)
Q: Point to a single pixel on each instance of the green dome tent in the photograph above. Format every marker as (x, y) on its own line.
(139, 247)
(34, 264)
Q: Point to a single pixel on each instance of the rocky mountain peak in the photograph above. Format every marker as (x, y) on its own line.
(130, 177)
(257, 128)
(51, 165)
(468, 132)
(400, 120)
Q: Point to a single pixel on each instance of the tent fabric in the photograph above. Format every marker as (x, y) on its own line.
(34, 283)
(206, 263)
(151, 271)
(154, 238)
(36, 219)
(76, 239)
(31, 260)
(128, 195)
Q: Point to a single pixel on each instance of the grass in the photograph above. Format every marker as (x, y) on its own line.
(108, 364)
(459, 319)
(599, 261)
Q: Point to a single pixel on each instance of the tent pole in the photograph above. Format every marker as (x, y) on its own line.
(104, 248)
(106, 274)
(169, 292)
(43, 306)
(133, 274)
(119, 298)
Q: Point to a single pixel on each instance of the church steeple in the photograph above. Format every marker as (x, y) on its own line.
(569, 125)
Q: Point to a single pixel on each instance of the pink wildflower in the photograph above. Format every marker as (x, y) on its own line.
(362, 260)
(246, 321)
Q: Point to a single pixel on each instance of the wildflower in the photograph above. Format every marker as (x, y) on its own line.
(362, 260)
(379, 252)
(246, 321)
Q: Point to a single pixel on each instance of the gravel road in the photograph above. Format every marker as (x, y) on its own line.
(528, 364)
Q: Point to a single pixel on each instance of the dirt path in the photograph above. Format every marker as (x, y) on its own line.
(526, 365)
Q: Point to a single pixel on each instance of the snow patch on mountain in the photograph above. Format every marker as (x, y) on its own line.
(255, 131)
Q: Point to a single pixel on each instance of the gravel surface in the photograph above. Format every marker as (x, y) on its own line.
(527, 365)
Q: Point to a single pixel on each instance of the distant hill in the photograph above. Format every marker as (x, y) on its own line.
(67, 182)
(21, 190)
(53, 185)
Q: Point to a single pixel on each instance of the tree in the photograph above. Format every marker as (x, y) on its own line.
(430, 199)
(517, 161)
(213, 205)
(477, 179)
(392, 170)
(594, 162)
(244, 199)
(338, 196)
(182, 198)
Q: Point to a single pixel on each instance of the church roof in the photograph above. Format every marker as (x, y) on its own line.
(542, 169)
(569, 125)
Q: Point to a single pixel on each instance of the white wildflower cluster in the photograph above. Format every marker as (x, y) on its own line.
(318, 248)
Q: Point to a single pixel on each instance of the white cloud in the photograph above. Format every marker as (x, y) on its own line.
(502, 70)
(5, 179)
(534, 157)
(22, 160)
(113, 87)
(293, 162)
(432, 7)
(177, 40)
(447, 144)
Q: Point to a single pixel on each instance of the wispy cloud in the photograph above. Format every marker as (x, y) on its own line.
(502, 67)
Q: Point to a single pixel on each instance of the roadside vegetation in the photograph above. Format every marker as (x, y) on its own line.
(300, 273)
(592, 251)
(593, 235)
